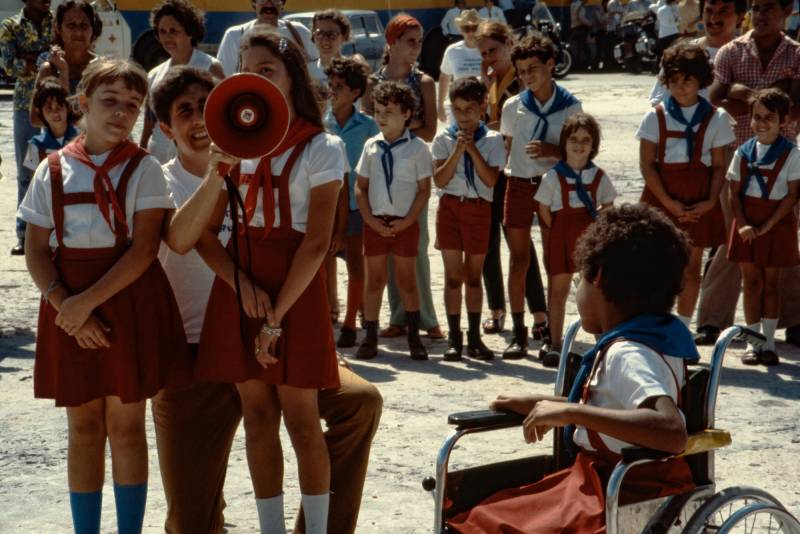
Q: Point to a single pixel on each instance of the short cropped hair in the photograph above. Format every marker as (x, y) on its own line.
(333, 15)
(639, 256)
(187, 15)
(390, 92)
(354, 72)
(687, 59)
(46, 89)
(469, 88)
(576, 122)
(774, 100)
(534, 45)
(105, 71)
(175, 83)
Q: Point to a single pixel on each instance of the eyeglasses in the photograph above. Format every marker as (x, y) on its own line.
(330, 34)
(469, 28)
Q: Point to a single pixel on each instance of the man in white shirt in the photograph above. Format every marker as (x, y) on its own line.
(449, 27)
(489, 11)
(268, 13)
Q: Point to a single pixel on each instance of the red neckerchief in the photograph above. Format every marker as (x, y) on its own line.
(300, 130)
(104, 192)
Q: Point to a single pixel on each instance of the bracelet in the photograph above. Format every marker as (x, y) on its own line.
(274, 331)
(50, 288)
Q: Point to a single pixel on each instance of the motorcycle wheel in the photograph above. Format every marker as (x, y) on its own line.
(564, 64)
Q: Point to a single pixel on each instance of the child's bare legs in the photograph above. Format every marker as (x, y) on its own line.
(331, 282)
(519, 240)
(753, 281)
(454, 280)
(691, 285)
(405, 274)
(474, 290)
(86, 464)
(126, 435)
(375, 282)
(301, 414)
(355, 279)
(557, 294)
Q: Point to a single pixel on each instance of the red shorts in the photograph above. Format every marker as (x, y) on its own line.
(463, 224)
(405, 244)
(520, 207)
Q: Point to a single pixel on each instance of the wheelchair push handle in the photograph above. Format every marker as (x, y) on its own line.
(485, 419)
(749, 336)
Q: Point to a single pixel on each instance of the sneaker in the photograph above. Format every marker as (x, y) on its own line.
(706, 335)
(347, 338)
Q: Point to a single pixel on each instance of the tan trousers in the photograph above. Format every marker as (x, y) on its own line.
(194, 432)
(720, 287)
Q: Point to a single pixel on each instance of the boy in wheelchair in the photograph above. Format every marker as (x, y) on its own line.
(627, 391)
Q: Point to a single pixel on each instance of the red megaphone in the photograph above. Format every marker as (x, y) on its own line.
(246, 116)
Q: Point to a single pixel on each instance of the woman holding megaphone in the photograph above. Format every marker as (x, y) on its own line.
(273, 337)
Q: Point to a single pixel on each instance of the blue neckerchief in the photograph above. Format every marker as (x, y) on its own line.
(387, 162)
(469, 165)
(749, 152)
(562, 99)
(662, 332)
(47, 141)
(674, 110)
(565, 170)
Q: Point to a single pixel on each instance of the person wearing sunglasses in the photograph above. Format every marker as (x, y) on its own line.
(460, 60)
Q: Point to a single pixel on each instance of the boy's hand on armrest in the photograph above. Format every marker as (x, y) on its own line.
(521, 405)
(546, 415)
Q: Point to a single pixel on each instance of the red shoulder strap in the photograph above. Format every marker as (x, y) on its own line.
(57, 194)
(284, 201)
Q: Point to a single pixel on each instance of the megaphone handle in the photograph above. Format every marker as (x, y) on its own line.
(223, 169)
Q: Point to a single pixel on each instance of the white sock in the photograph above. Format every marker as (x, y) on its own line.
(315, 511)
(755, 328)
(270, 515)
(685, 320)
(769, 326)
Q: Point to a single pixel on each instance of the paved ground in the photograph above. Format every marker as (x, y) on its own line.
(759, 406)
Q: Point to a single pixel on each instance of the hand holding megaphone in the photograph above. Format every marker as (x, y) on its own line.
(220, 162)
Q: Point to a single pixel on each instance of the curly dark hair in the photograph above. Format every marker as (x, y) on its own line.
(46, 89)
(353, 71)
(573, 124)
(187, 15)
(390, 92)
(88, 10)
(469, 88)
(533, 45)
(177, 80)
(687, 59)
(774, 100)
(334, 15)
(639, 256)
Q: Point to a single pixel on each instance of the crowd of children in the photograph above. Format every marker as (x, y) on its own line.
(357, 172)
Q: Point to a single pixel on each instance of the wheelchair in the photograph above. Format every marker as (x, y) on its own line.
(703, 509)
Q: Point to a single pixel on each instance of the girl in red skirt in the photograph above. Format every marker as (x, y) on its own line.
(627, 390)
(764, 182)
(280, 352)
(110, 334)
(569, 198)
(682, 159)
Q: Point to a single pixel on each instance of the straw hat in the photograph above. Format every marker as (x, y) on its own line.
(468, 17)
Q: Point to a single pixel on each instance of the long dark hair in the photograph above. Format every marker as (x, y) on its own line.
(303, 96)
(88, 10)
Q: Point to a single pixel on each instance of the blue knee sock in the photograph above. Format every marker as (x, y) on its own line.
(86, 509)
(130, 507)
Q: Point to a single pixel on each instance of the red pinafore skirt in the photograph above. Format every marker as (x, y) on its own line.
(688, 183)
(777, 248)
(573, 500)
(568, 225)
(148, 346)
(305, 350)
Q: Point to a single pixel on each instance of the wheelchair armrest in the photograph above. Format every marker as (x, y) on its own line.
(635, 454)
(485, 419)
(705, 441)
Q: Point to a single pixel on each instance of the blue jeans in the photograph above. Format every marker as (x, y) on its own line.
(23, 131)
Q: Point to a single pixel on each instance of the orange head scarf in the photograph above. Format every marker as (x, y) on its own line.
(398, 25)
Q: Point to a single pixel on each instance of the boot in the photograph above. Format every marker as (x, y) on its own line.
(476, 349)
(519, 345)
(416, 349)
(369, 347)
(455, 346)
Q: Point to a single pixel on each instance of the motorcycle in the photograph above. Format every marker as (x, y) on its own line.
(636, 46)
(551, 29)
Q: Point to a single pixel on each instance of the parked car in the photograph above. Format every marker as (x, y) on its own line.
(366, 35)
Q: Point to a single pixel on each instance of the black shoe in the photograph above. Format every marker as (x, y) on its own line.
(495, 326)
(417, 351)
(519, 346)
(347, 338)
(540, 332)
(19, 249)
(751, 357)
(367, 350)
(550, 355)
(476, 349)
(706, 335)
(455, 346)
(793, 335)
(768, 358)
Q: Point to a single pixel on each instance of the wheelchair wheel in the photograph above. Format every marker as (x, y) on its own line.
(721, 507)
(761, 517)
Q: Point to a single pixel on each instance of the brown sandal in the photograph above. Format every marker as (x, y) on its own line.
(393, 330)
